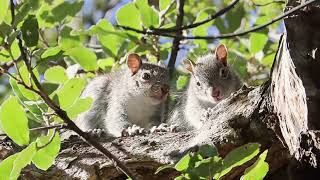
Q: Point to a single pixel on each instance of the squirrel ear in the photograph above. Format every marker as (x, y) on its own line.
(134, 62)
(222, 54)
(189, 65)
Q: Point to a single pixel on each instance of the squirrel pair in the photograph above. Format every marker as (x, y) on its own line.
(136, 95)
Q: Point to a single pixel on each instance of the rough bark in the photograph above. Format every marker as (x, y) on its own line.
(282, 115)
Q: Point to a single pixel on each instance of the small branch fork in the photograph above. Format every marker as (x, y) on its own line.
(222, 36)
(38, 89)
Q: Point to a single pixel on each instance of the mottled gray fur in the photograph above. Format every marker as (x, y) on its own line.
(122, 99)
(208, 73)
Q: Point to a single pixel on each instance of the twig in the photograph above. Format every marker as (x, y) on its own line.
(177, 39)
(227, 35)
(57, 126)
(212, 17)
(63, 115)
(50, 140)
(164, 12)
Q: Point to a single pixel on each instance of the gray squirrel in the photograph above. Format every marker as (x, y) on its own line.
(211, 81)
(131, 96)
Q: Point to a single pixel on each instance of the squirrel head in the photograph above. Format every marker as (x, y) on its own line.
(211, 78)
(148, 80)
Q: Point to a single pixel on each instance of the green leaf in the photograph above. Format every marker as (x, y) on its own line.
(202, 30)
(26, 78)
(149, 16)
(268, 59)
(34, 108)
(3, 9)
(52, 51)
(183, 163)
(23, 159)
(239, 156)
(166, 166)
(28, 7)
(106, 63)
(257, 42)
(67, 41)
(56, 74)
(234, 17)
(208, 167)
(5, 55)
(163, 4)
(110, 39)
(182, 82)
(259, 169)
(45, 157)
(65, 9)
(70, 92)
(85, 57)
(29, 30)
(14, 121)
(208, 151)
(129, 10)
(81, 105)
(6, 166)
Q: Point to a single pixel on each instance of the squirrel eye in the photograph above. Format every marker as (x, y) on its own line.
(224, 73)
(146, 76)
(198, 83)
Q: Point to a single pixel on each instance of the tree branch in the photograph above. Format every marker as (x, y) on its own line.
(56, 126)
(177, 39)
(212, 17)
(63, 115)
(222, 36)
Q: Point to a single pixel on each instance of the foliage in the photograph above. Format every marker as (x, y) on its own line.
(207, 164)
(66, 51)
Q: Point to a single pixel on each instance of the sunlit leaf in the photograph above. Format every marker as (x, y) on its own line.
(183, 163)
(70, 92)
(182, 82)
(85, 57)
(105, 63)
(258, 170)
(14, 121)
(3, 9)
(81, 105)
(45, 157)
(163, 4)
(239, 156)
(23, 159)
(257, 41)
(149, 16)
(6, 166)
(67, 41)
(52, 51)
(56, 74)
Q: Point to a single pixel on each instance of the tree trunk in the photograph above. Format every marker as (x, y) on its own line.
(282, 115)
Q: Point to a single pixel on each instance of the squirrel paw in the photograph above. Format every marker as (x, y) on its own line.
(97, 132)
(163, 127)
(133, 130)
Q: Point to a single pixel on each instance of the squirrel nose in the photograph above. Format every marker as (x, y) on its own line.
(165, 88)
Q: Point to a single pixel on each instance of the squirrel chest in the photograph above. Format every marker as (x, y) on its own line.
(140, 111)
